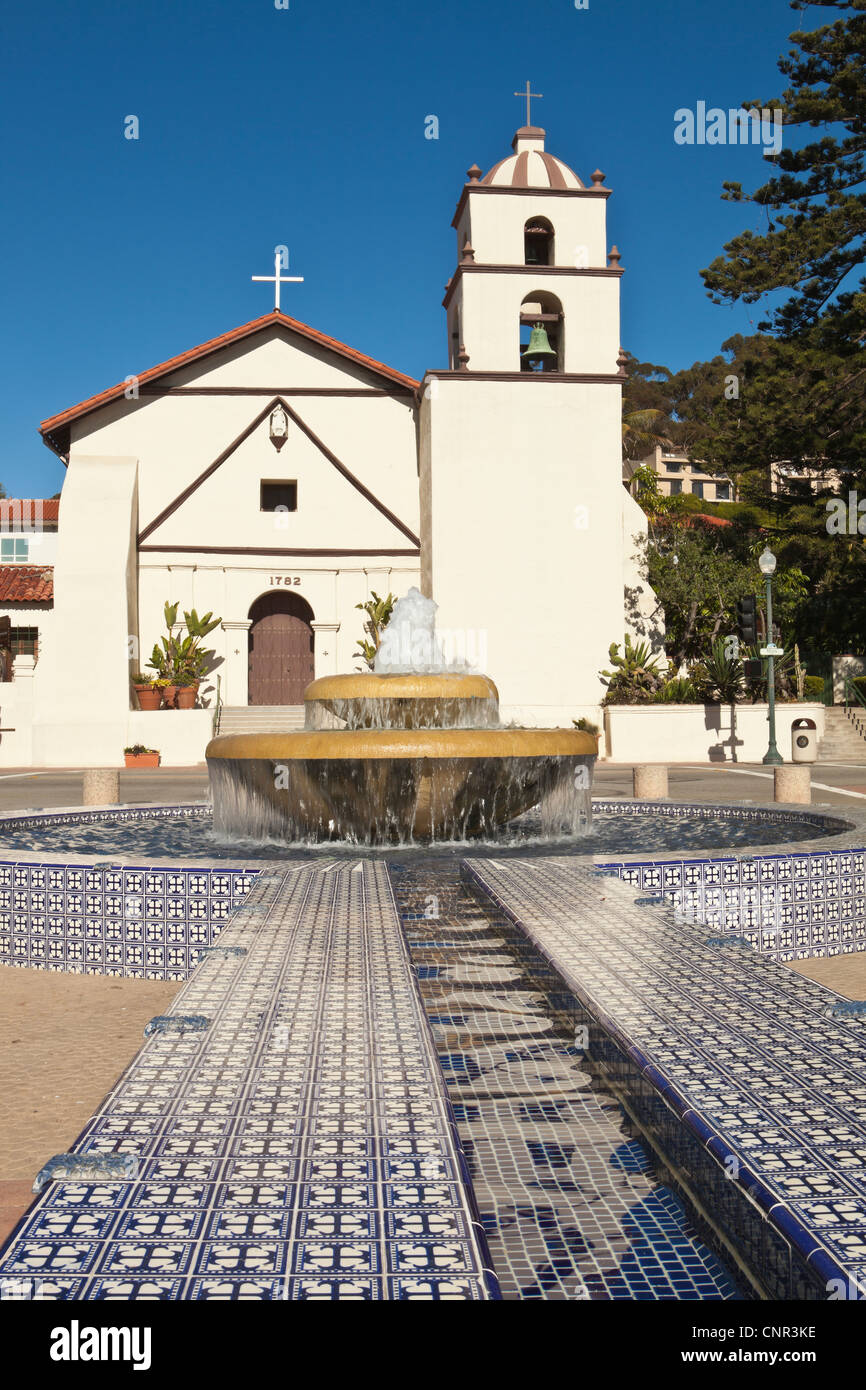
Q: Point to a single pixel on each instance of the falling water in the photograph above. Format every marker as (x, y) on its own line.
(366, 794)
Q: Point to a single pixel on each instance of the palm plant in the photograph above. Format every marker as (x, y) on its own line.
(378, 611)
(642, 430)
(181, 660)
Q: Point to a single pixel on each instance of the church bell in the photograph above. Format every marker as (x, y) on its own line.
(539, 349)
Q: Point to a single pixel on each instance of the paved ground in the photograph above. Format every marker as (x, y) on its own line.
(96, 1024)
(64, 1040)
(836, 784)
(24, 789)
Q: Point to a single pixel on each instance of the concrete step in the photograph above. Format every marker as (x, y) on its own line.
(261, 719)
(844, 738)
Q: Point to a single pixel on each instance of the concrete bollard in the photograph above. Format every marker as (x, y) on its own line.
(792, 782)
(650, 781)
(101, 786)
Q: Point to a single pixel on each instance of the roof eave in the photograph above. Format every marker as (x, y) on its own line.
(55, 431)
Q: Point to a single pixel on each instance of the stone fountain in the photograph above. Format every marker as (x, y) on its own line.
(410, 751)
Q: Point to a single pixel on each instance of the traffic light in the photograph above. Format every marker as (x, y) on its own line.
(753, 669)
(747, 621)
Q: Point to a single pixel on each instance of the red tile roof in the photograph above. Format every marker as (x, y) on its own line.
(26, 584)
(21, 512)
(55, 432)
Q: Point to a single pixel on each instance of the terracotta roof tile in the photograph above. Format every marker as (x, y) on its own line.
(26, 584)
(55, 430)
(23, 511)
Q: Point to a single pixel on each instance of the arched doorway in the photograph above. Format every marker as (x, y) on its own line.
(281, 661)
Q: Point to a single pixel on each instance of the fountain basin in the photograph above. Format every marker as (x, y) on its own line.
(393, 785)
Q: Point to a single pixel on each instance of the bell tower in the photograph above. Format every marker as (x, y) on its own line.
(532, 251)
(527, 532)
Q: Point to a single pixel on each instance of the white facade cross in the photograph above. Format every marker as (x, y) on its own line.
(277, 279)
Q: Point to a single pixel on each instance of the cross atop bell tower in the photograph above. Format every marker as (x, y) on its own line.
(528, 95)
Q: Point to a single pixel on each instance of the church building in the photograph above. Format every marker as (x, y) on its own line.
(277, 477)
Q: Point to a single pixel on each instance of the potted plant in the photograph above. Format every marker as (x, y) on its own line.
(149, 695)
(180, 662)
(139, 756)
(186, 695)
(168, 692)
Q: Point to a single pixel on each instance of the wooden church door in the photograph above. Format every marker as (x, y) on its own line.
(281, 662)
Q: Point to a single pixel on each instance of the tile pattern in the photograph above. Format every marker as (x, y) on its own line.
(92, 915)
(723, 1046)
(147, 921)
(788, 906)
(569, 1200)
(302, 1147)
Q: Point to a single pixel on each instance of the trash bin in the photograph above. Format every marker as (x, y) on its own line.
(804, 741)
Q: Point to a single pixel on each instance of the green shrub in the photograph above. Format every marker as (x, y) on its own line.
(679, 691)
(586, 726)
(719, 677)
(813, 688)
(635, 677)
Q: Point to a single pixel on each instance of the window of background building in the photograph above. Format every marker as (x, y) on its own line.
(15, 548)
(676, 487)
(697, 489)
(24, 641)
(723, 492)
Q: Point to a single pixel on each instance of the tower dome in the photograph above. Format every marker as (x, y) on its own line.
(530, 166)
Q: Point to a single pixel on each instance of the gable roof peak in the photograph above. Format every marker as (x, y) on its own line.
(55, 430)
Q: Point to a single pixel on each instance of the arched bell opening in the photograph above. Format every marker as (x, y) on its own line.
(538, 242)
(542, 333)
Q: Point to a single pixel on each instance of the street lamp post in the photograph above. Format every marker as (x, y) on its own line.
(767, 564)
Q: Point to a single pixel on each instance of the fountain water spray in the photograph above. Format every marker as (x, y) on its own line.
(413, 750)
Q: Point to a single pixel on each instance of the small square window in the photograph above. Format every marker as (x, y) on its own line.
(723, 492)
(279, 497)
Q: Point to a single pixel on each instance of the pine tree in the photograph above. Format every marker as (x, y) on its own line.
(816, 201)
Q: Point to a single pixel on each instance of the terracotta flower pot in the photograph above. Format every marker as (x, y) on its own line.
(149, 696)
(169, 695)
(142, 759)
(186, 696)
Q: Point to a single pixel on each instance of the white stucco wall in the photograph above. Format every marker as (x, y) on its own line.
(648, 623)
(522, 533)
(490, 319)
(229, 590)
(700, 733)
(176, 438)
(81, 684)
(494, 226)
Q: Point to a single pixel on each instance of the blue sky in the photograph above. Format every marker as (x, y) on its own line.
(305, 126)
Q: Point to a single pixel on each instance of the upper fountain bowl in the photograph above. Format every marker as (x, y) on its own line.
(405, 700)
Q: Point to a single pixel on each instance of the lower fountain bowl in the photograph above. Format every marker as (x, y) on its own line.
(381, 786)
